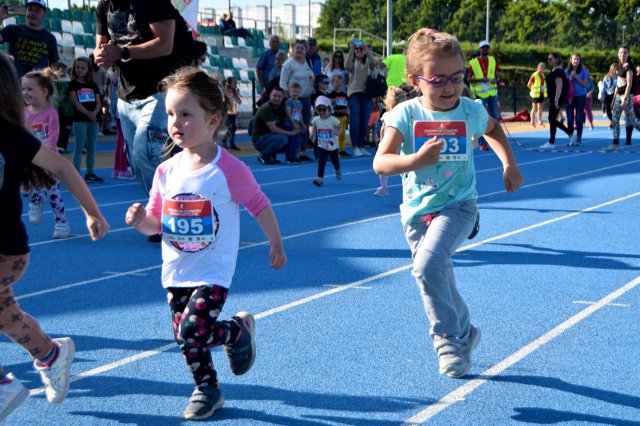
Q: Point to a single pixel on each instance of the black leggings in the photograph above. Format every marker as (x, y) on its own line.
(196, 327)
(554, 124)
(322, 160)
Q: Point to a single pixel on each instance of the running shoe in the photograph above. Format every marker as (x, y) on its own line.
(57, 376)
(242, 354)
(12, 393)
(204, 401)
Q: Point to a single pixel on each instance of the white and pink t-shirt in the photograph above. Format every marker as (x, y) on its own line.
(200, 215)
(44, 126)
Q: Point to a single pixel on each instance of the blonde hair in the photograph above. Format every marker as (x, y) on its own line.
(46, 79)
(394, 96)
(89, 76)
(427, 43)
(206, 88)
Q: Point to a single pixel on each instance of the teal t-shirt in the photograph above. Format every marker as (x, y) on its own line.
(432, 188)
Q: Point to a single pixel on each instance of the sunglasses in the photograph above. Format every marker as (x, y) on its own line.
(441, 81)
(322, 109)
(325, 82)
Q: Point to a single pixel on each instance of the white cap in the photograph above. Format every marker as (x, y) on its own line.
(484, 43)
(323, 100)
(38, 2)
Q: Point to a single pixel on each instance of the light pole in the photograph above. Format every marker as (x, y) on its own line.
(624, 28)
(487, 29)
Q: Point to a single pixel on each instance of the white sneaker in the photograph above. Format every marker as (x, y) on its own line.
(365, 152)
(35, 213)
(358, 152)
(61, 230)
(57, 376)
(612, 148)
(11, 396)
(547, 145)
(572, 139)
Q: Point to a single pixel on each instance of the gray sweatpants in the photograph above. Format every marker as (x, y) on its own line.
(431, 248)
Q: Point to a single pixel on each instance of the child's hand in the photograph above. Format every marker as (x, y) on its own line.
(135, 215)
(429, 153)
(97, 226)
(512, 178)
(277, 258)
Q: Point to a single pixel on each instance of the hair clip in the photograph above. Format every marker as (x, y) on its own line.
(431, 31)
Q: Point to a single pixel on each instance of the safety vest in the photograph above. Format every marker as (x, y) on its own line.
(483, 90)
(538, 86)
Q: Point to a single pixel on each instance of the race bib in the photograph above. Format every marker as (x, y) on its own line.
(452, 133)
(325, 138)
(86, 95)
(341, 102)
(296, 114)
(39, 131)
(188, 224)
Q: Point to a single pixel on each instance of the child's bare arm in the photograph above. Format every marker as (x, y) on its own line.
(496, 138)
(138, 217)
(269, 225)
(388, 162)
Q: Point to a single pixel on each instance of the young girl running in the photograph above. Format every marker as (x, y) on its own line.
(20, 153)
(85, 97)
(195, 201)
(439, 202)
(39, 92)
(325, 129)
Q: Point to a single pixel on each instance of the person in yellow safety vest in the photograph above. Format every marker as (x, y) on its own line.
(538, 92)
(483, 82)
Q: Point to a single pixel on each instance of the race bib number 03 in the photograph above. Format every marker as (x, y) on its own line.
(188, 221)
(453, 134)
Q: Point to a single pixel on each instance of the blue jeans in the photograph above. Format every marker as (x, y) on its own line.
(270, 143)
(575, 111)
(431, 248)
(144, 126)
(360, 107)
(86, 133)
(491, 105)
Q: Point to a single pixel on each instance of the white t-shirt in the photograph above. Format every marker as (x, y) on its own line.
(200, 215)
(325, 132)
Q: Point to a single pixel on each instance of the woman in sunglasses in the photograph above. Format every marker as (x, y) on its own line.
(360, 65)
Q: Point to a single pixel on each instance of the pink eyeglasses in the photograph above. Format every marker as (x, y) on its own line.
(441, 81)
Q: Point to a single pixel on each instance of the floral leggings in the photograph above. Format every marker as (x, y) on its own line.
(15, 323)
(196, 327)
(55, 200)
(632, 120)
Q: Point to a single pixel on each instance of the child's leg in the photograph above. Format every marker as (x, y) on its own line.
(384, 181)
(232, 130)
(343, 134)
(335, 160)
(56, 202)
(322, 161)
(18, 325)
(433, 268)
(200, 330)
(80, 133)
(92, 136)
(35, 197)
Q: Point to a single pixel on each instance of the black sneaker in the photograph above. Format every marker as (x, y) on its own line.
(242, 354)
(344, 154)
(204, 401)
(90, 177)
(234, 147)
(305, 158)
(262, 160)
(476, 228)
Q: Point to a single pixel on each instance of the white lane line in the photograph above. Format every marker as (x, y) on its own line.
(464, 390)
(269, 312)
(588, 302)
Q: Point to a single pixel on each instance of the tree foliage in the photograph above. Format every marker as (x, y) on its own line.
(574, 24)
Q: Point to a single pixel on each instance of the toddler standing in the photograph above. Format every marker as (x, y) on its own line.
(439, 208)
(293, 121)
(85, 97)
(195, 201)
(40, 116)
(325, 128)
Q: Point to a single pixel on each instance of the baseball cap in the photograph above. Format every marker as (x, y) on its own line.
(324, 101)
(312, 40)
(484, 43)
(40, 3)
